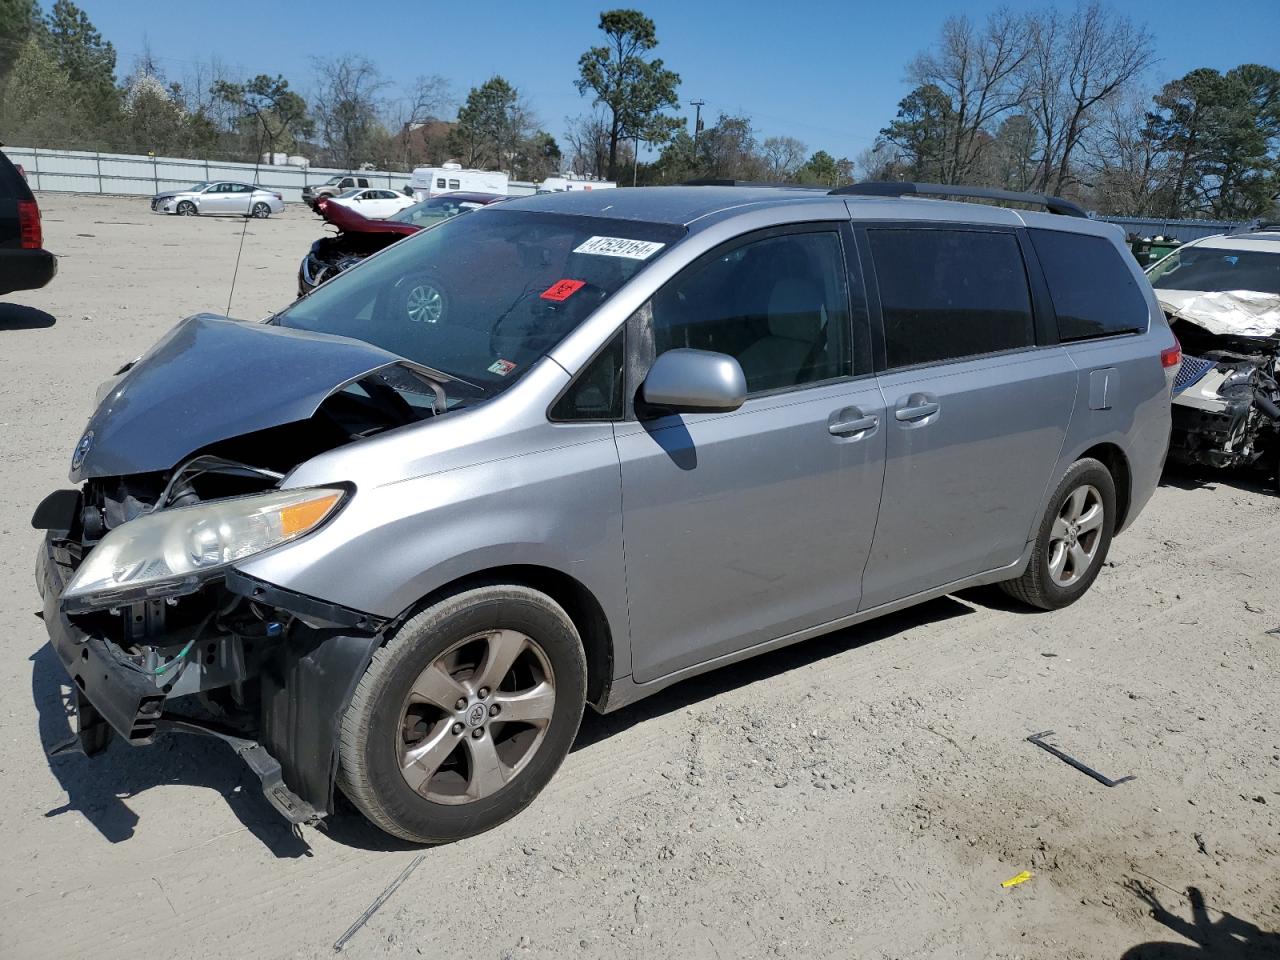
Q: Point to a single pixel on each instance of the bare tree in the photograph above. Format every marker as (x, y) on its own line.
(431, 98)
(1129, 167)
(980, 70)
(783, 156)
(1078, 63)
(588, 139)
(346, 105)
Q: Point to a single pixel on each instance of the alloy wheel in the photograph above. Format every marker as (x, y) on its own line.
(1075, 535)
(475, 717)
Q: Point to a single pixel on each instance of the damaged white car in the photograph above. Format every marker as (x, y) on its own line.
(1222, 297)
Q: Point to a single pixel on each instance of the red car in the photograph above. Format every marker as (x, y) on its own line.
(359, 236)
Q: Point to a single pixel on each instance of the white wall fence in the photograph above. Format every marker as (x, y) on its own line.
(78, 171)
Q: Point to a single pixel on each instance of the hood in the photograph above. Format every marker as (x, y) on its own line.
(348, 221)
(1240, 313)
(169, 194)
(211, 379)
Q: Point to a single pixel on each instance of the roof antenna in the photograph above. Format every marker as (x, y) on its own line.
(257, 164)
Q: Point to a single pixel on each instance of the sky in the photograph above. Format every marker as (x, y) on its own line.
(828, 73)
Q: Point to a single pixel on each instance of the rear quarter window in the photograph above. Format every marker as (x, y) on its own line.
(1094, 292)
(948, 294)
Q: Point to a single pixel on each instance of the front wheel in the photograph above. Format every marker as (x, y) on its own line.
(1073, 539)
(464, 715)
(261, 211)
(187, 209)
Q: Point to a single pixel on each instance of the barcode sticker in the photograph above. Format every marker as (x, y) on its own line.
(619, 247)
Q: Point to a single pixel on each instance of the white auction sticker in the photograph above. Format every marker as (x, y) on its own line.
(619, 247)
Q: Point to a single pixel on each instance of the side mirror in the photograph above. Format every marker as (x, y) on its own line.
(694, 381)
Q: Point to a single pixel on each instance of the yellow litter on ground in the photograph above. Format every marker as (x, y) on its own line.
(1023, 877)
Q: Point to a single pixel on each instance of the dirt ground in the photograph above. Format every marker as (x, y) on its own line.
(860, 795)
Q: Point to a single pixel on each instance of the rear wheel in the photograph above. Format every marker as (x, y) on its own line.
(187, 209)
(464, 715)
(1073, 539)
(261, 211)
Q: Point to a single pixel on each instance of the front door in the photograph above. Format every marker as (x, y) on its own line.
(977, 413)
(747, 526)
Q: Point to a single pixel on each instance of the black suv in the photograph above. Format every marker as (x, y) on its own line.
(24, 265)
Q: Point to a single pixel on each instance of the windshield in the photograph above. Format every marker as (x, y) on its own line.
(432, 211)
(482, 297)
(348, 194)
(1212, 270)
(196, 187)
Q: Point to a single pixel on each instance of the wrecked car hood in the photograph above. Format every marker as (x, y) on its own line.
(349, 221)
(1241, 313)
(210, 379)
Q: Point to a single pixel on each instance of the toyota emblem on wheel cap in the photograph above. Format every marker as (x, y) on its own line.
(82, 450)
(476, 715)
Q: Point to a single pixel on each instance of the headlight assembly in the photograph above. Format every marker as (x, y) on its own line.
(171, 552)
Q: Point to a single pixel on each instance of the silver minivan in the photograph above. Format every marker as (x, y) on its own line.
(649, 432)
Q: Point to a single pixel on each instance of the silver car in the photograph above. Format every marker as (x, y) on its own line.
(219, 197)
(650, 432)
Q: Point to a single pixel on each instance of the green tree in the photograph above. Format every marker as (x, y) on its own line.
(920, 132)
(19, 19)
(88, 60)
(1219, 134)
(633, 90)
(492, 123)
(39, 105)
(821, 169)
(152, 117)
(276, 115)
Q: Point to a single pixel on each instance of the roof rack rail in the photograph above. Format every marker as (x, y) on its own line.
(891, 188)
(1255, 226)
(719, 182)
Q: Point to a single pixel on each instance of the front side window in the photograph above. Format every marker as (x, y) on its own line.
(779, 305)
(1094, 293)
(947, 294)
(483, 297)
(597, 392)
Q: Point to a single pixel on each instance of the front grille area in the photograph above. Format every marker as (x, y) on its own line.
(1190, 372)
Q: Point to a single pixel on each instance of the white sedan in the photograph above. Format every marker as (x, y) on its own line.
(373, 202)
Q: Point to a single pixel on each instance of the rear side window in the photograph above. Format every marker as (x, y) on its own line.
(1094, 293)
(947, 294)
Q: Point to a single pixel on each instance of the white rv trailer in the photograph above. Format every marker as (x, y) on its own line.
(432, 181)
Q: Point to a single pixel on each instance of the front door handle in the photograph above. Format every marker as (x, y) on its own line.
(850, 420)
(918, 406)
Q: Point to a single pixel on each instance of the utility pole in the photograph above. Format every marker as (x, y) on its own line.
(697, 121)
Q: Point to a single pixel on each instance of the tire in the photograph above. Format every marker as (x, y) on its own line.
(1049, 585)
(396, 719)
(187, 209)
(260, 211)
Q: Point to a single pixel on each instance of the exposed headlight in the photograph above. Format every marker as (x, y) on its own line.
(172, 551)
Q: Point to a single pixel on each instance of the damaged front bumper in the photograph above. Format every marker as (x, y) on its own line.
(302, 680)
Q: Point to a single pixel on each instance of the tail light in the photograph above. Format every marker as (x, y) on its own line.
(1171, 356)
(29, 231)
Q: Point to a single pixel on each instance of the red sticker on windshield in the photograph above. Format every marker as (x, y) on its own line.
(562, 290)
